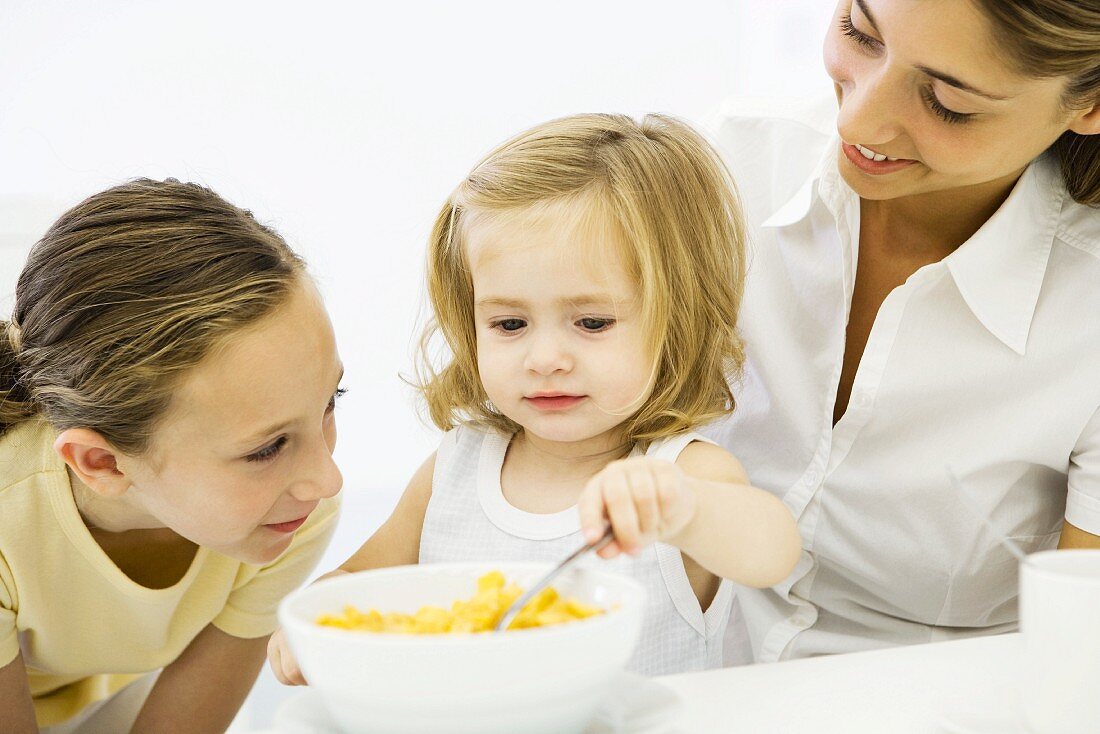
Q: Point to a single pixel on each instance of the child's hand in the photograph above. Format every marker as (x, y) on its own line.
(645, 500)
(282, 661)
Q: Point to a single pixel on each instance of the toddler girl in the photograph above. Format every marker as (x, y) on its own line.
(585, 277)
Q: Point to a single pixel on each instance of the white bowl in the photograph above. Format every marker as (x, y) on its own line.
(547, 679)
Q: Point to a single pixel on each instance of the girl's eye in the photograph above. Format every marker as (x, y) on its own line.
(509, 325)
(849, 29)
(340, 392)
(942, 112)
(595, 325)
(269, 452)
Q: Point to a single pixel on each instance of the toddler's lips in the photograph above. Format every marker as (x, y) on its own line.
(554, 402)
(287, 527)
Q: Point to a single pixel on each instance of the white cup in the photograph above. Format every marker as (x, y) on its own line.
(1060, 622)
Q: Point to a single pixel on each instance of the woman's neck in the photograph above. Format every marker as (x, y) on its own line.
(930, 226)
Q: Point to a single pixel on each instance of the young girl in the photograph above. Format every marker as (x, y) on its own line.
(166, 428)
(586, 277)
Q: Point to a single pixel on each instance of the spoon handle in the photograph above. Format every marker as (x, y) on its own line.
(519, 603)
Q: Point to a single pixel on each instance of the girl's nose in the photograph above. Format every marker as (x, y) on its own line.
(546, 355)
(322, 478)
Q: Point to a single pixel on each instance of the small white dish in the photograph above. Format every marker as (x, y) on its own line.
(634, 705)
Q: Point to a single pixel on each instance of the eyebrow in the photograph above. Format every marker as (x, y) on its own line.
(258, 436)
(943, 77)
(599, 298)
(958, 84)
(867, 12)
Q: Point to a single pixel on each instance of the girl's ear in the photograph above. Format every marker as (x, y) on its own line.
(93, 460)
(1087, 122)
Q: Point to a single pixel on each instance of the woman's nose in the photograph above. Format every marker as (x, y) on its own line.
(871, 107)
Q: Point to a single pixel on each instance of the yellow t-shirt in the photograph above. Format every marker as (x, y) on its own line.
(84, 627)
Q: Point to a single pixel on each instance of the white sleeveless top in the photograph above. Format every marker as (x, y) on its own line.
(468, 519)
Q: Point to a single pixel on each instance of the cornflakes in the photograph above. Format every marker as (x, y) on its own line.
(480, 613)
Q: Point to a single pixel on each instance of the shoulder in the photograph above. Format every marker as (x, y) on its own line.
(418, 492)
(26, 450)
(704, 460)
(776, 117)
(699, 457)
(421, 483)
(464, 437)
(1079, 226)
(772, 147)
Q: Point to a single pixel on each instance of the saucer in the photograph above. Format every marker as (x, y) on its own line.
(634, 705)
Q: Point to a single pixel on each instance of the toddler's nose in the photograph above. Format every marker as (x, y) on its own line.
(548, 355)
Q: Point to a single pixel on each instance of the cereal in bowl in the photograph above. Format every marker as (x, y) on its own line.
(479, 613)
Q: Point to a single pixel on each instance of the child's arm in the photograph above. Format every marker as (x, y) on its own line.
(703, 505)
(201, 691)
(15, 699)
(396, 543)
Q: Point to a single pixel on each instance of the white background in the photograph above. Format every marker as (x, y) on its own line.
(345, 126)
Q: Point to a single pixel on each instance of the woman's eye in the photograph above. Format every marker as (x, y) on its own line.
(942, 112)
(340, 392)
(269, 452)
(595, 324)
(849, 29)
(509, 325)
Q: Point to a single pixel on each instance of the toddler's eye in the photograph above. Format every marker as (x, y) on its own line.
(509, 325)
(594, 324)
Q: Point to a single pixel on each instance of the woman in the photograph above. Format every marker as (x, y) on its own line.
(924, 294)
(167, 385)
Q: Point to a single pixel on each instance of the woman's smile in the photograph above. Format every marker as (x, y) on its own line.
(871, 162)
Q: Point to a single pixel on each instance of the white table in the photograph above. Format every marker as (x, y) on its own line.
(917, 688)
(959, 686)
(964, 687)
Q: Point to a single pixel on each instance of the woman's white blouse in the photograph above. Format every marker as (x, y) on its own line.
(987, 362)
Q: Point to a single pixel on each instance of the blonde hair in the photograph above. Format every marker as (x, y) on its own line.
(1050, 38)
(672, 199)
(124, 293)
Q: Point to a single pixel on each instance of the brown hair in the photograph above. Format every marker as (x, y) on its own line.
(668, 194)
(1049, 38)
(125, 292)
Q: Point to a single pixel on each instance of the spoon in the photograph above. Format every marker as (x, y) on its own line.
(519, 603)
